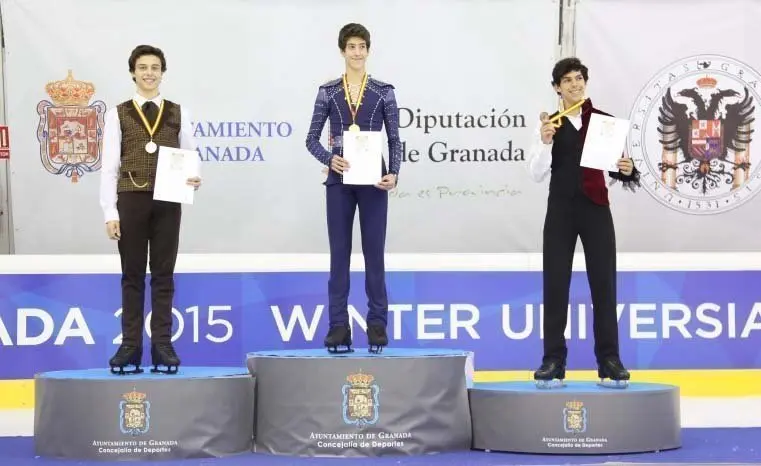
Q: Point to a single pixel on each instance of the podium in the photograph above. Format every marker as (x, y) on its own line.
(200, 412)
(314, 403)
(399, 402)
(580, 418)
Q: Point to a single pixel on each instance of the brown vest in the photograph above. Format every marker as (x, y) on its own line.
(138, 167)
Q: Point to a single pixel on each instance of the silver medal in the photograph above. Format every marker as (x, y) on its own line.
(151, 147)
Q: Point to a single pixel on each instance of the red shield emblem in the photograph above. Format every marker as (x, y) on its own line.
(70, 131)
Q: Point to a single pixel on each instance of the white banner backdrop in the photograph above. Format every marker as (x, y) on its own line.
(239, 65)
(688, 75)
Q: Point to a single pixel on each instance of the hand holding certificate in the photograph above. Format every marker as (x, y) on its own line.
(173, 170)
(364, 152)
(604, 142)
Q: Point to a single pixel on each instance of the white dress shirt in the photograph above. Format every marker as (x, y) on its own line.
(112, 151)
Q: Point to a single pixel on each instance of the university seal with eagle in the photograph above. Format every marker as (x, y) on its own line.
(692, 135)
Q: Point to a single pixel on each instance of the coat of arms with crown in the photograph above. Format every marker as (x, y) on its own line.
(360, 399)
(575, 417)
(71, 129)
(134, 413)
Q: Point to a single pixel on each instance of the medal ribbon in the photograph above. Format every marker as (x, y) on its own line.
(555, 120)
(151, 129)
(354, 110)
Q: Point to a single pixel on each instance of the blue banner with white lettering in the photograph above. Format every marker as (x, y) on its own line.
(667, 320)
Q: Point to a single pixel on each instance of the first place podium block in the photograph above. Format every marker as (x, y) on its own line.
(399, 402)
(199, 412)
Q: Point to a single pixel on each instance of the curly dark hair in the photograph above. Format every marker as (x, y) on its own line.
(568, 65)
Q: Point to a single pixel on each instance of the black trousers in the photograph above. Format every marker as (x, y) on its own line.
(566, 220)
(148, 229)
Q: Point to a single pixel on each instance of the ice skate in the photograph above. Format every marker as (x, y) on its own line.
(163, 354)
(337, 337)
(551, 374)
(376, 338)
(612, 373)
(126, 355)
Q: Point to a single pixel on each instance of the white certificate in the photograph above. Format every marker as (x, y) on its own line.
(364, 152)
(604, 142)
(173, 168)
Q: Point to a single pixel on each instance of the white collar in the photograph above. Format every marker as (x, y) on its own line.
(140, 100)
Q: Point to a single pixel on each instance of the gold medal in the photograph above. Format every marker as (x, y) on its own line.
(151, 146)
(354, 109)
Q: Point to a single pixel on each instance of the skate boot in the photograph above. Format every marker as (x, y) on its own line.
(338, 336)
(163, 354)
(612, 373)
(126, 355)
(551, 374)
(376, 338)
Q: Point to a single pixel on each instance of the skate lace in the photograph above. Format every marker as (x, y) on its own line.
(167, 349)
(124, 351)
(614, 362)
(549, 363)
(335, 331)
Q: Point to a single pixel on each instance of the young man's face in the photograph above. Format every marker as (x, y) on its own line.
(572, 87)
(148, 73)
(355, 53)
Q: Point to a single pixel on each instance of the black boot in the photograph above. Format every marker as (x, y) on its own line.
(550, 374)
(376, 338)
(163, 354)
(126, 355)
(612, 373)
(338, 336)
